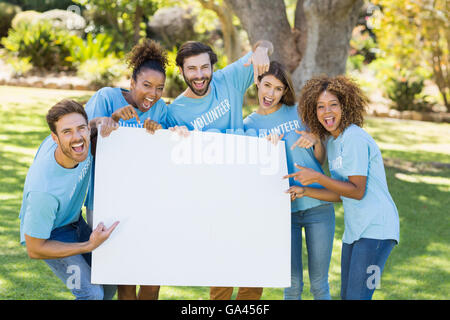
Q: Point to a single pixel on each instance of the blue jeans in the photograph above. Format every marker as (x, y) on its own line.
(319, 225)
(362, 263)
(75, 271)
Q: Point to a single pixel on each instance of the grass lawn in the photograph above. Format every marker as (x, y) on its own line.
(418, 268)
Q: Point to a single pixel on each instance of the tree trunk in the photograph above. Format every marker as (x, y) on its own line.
(319, 42)
(138, 16)
(231, 40)
(267, 19)
(329, 30)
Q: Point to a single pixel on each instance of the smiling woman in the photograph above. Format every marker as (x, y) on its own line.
(333, 107)
(112, 106)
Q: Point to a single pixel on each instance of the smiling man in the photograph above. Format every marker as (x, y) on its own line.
(51, 224)
(213, 100)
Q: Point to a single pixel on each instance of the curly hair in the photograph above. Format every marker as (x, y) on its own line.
(148, 54)
(352, 99)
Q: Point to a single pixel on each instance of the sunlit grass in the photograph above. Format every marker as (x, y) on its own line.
(418, 268)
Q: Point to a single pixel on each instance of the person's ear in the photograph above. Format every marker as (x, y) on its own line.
(55, 138)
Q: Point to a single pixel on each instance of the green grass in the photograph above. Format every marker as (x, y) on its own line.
(418, 268)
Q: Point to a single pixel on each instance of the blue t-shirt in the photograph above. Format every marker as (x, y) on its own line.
(104, 103)
(107, 100)
(221, 109)
(52, 195)
(286, 121)
(375, 216)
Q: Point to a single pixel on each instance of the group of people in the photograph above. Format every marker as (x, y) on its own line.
(328, 117)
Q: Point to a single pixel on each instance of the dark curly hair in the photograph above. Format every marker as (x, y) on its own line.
(352, 99)
(148, 54)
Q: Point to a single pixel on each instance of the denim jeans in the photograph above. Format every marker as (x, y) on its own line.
(75, 271)
(319, 223)
(362, 263)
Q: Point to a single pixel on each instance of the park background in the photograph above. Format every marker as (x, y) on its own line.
(398, 51)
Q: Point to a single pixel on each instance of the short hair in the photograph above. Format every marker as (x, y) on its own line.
(148, 54)
(278, 70)
(194, 48)
(352, 99)
(61, 109)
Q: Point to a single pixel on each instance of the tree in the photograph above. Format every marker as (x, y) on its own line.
(318, 43)
(231, 40)
(417, 35)
(123, 18)
(221, 11)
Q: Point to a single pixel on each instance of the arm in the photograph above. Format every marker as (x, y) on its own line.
(51, 249)
(354, 188)
(262, 49)
(308, 140)
(320, 194)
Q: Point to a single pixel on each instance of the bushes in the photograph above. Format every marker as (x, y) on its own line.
(95, 60)
(403, 92)
(174, 80)
(91, 48)
(402, 86)
(101, 72)
(48, 48)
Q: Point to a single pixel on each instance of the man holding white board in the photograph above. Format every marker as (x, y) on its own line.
(213, 102)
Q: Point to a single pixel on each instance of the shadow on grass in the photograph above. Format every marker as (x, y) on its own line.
(416, 156)
(30, 139)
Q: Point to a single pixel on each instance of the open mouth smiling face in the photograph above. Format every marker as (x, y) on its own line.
(270, 93)
(73, 140)
(147, 89)
(329, 112)
(197, 73)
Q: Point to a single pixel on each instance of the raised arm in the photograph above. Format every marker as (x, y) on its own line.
(262, 49)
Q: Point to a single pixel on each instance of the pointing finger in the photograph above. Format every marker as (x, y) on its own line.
(111, 229)
(292, 175)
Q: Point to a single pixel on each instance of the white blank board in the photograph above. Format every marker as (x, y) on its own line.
(206, 210)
